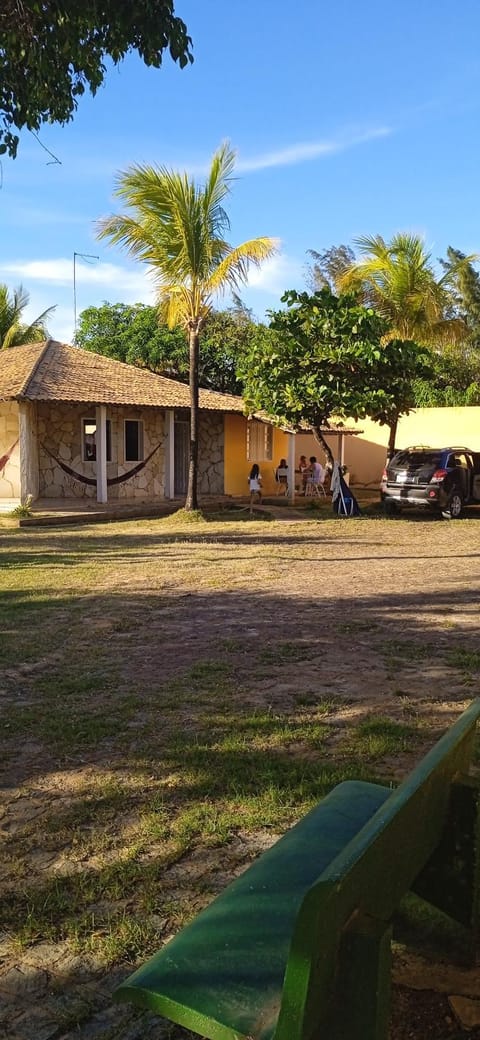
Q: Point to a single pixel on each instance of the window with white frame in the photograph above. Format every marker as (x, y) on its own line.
(259, 441)
(133, 440)
(89, 440)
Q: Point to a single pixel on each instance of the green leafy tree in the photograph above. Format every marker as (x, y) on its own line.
(227, 336)
(52, 52)
(454, 380)
(465, 285)
(177, 227)
(134, 335)
(324, 357)
(398, 279)
(13, 329)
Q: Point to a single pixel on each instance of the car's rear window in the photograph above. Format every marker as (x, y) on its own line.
(417, 458)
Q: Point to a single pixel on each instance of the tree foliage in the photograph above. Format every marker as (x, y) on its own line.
(133, 334)
(227, 337)
(328, 267)
(465, 286)
(178, 228)
(324, 357)
(13, 329)
(52, 51)
(398, 279)
(454, 381)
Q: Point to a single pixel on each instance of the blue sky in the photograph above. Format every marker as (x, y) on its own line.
(348, 119)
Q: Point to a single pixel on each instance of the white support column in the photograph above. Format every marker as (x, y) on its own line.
(291, 467)
(101, 446)
(28, 450)
(169, 453)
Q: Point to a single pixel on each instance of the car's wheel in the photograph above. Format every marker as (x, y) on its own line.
(391, 507)
(454, 506)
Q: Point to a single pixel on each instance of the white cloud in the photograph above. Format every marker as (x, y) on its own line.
(275, 275)
(113, 281)
(304, 152)
(134, 284)
(50, 282)
(60, 324)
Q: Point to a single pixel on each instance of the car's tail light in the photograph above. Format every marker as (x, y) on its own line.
(384, 475)
(439, 475)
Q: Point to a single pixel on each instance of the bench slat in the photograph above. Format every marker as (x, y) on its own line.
(371, 874)
(227, 967)
(259, 963)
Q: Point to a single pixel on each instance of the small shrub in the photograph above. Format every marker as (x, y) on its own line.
(185, 516)
(23, 509)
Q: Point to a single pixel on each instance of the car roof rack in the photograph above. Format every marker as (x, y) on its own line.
(428, 447)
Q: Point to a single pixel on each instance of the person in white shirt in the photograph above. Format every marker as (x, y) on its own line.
(255, 485)
(317, 472)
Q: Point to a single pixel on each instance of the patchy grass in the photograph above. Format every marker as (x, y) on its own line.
(284, 652)
(176, 693)
(464, 658)
(376, 738)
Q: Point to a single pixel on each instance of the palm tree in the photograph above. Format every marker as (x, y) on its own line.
(13, 331)
(177, 227)
(398, 280)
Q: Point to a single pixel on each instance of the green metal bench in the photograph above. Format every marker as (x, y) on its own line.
(298, 946)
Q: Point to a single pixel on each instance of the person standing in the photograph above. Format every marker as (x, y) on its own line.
(255, 486)
(281, 477)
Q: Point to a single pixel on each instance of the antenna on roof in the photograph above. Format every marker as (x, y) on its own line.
(84, 256)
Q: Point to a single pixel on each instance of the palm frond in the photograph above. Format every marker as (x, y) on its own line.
(398, 279)
(14, 332)
(232, 271)
(217, 188)
(177, 227)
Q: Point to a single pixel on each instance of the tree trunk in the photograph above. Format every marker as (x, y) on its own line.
(321, 440)
(391, 438)
(193, 342)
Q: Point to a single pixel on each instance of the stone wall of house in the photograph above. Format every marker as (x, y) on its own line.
(211, 453)
(51, 442)
(149, 483)
(9, 451)
(60, 443)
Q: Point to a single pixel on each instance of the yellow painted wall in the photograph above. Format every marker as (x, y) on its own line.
(237, 466)
(441, 427)
(436, 427)
(364, 455)
(370, 459)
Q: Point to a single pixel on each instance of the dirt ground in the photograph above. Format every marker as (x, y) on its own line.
(379, 618)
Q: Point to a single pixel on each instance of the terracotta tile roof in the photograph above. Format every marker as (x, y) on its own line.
(52, 371)
(16, 367)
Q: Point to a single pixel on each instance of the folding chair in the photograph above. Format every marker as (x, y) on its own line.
(315, 489)
(281, 480)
